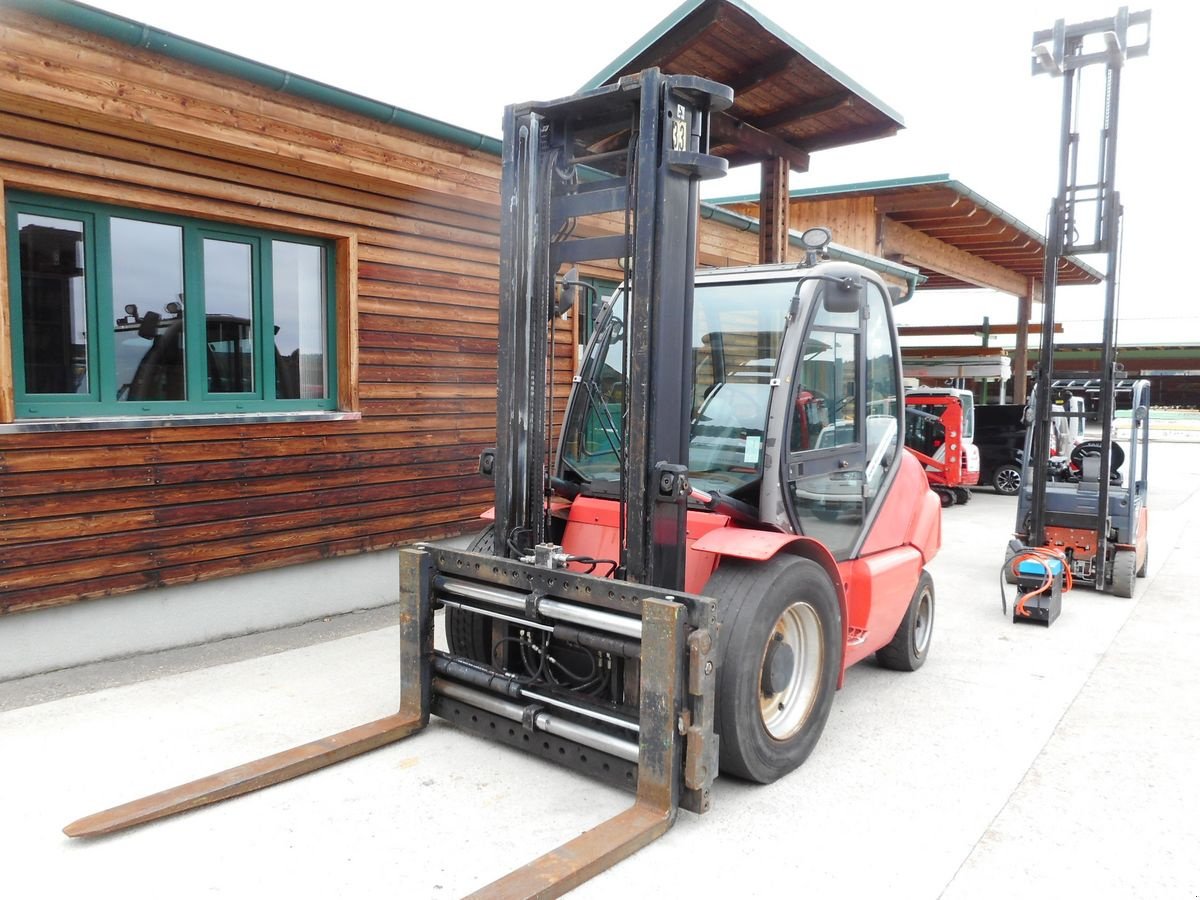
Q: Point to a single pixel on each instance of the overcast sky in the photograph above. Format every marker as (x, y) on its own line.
(957, 71)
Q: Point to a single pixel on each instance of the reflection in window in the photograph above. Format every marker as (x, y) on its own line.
(53, 305)
(147, 309)
(825, 409)
(228, 309)
(883, 412)
(298, 271)
(827, 490)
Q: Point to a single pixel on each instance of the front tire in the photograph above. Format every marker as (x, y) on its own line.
(780, 654)
(910, 646)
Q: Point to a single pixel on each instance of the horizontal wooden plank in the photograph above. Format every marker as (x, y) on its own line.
(25, 74)
(190, 87)
(381, 220)
(426, 375)
(433, 526)
(29, 517)
(46, 460)
(489, 287)
(189, 544)
(370, 322)
(421, 308)
(402, 341)
(30, 542)
(48, 487)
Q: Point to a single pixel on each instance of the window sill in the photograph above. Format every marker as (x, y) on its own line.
(114, 423)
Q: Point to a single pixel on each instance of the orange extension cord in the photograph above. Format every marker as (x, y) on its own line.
(1041, 555)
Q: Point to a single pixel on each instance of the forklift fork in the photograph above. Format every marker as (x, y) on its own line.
(675, 710)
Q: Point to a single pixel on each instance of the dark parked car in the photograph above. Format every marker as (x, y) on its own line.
(1000, 437)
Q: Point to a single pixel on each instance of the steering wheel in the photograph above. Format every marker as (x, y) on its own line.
(1094, 449)
(750, 413)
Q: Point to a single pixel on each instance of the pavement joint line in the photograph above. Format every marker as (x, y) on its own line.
(1146, 586)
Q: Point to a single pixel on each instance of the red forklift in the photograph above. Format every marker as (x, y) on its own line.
(939, 430)
(730, 520)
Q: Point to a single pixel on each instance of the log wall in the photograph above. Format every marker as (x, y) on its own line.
(415, 221)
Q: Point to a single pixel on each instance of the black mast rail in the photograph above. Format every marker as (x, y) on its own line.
(638, 147)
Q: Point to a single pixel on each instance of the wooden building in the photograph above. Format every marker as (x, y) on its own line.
(247, 320)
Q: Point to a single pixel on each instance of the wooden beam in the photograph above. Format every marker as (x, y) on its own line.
(851, 136)
(940, 199)
(346, 289)
(793, 114)
(1025, 301)
(773, 212)
(947, 330)
(728, 130)
(951, 352)
(7, 384)
(765, 71)
(919, 249)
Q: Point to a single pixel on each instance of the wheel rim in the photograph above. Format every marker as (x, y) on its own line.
(922, 623)
(785, 709)
(1008, 481)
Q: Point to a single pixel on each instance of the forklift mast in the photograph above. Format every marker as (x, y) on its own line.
(638, 149)
(1085, 217)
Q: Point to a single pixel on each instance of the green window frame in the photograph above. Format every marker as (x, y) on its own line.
(200, 333)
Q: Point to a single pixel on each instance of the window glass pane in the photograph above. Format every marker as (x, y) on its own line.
(736, 332)
(825, 414)
(827, 496)
(298, 275)
(53, 305)
(883, 412)
(147, 309)
(228, 311)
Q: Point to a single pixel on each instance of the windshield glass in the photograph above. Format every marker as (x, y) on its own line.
(736, 332)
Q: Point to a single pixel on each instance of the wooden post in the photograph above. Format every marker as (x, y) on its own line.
(773, 211)
(1021, 355)
(7, 390)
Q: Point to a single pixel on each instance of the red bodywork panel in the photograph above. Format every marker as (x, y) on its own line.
(874, 589)
(953, 470)
(593, 530)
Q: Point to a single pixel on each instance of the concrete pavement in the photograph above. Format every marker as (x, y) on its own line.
(1018, 762)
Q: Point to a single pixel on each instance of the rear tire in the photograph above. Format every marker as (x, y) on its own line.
(945, 498)
(780, 653)
(962, 495)
(470, 634)
(910, 646)
(1007, 480)
(1141, 572)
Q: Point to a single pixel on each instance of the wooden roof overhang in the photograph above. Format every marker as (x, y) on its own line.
(788, 101)
(919, 213)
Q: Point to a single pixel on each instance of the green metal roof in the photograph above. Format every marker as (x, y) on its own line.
(138, 34)
(689, 6)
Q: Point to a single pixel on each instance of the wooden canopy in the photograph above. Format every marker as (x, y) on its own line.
(939, 225)
(788, 101)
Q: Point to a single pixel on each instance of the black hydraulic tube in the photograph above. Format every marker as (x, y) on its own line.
(541, 719)
(1060, 212)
